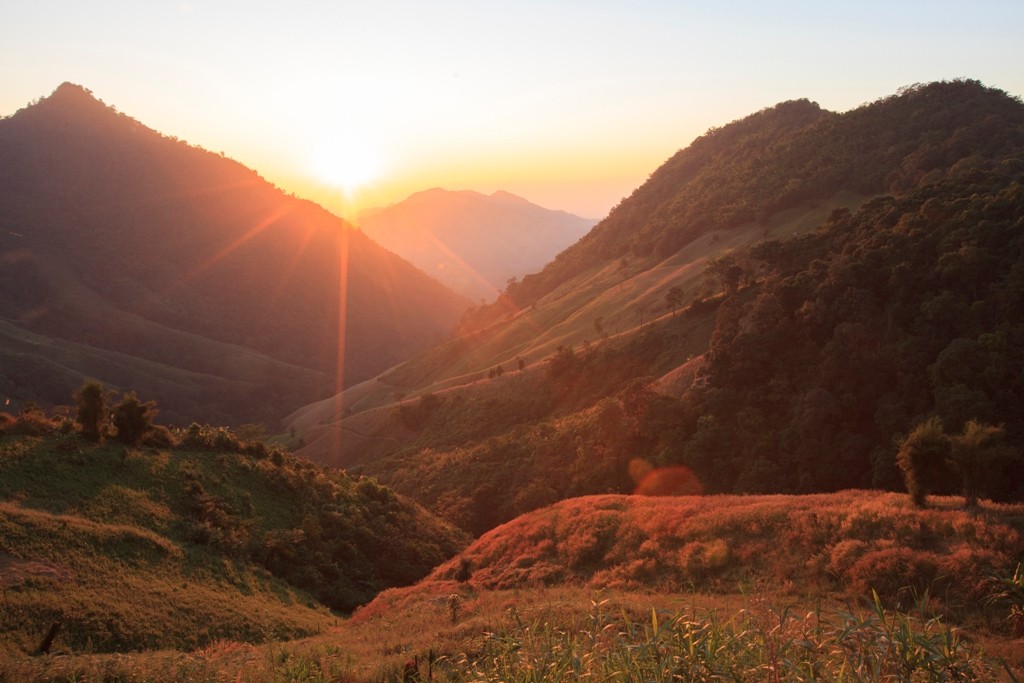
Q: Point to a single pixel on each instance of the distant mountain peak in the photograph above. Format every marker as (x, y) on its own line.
(471, 241)
(509, 198)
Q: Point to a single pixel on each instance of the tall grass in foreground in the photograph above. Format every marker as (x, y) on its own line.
(604, 643)
(757, 644)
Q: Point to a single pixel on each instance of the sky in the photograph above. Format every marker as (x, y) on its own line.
(571, 104)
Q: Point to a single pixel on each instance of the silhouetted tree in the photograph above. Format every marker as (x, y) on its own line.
(728, 271)
(133, 418)
(91, 400)
(641, 311)
(974, 451)
(921, 457)
(674, 298)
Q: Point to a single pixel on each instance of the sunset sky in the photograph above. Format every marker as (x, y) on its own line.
(569, 103)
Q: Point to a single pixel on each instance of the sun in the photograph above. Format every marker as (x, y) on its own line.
(346, 162)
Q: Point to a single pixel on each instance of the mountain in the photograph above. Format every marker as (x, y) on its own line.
(472, 242)
(147, 263)
(775, 309)
(208, 539)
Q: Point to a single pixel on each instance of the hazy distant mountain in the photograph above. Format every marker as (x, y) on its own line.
(773, 310)
(147, 263)
(472, 242)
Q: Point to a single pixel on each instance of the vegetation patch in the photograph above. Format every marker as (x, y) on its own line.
(132, 548)
(851, 543)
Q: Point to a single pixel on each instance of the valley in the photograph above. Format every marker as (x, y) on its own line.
(680, 450)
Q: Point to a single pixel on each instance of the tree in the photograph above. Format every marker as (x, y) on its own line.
(728, 271)
(641, 311)
(674, 298)
(974, 452)
(133, 418)
(921, 457)
(91, 400)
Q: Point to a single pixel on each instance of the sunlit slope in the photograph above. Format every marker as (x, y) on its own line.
(848, 542)
(116, 237)
(145, 548)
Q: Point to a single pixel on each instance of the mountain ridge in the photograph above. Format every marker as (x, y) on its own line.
(143, 225)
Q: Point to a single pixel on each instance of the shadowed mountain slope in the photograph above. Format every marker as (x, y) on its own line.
(472, 242)
(229, 300)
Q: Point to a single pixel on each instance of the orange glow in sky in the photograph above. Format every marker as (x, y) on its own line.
(569, 104)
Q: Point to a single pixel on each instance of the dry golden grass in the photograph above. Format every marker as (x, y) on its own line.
(850, 542)
(568, 634)
(751, 578)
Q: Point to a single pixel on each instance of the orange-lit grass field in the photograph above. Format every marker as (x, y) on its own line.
(757, 588)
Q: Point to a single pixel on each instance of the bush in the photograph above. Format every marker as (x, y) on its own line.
(133, 419)
(91, 400)
(922, 457)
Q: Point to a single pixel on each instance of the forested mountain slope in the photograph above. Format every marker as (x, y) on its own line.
(768, 339)
(788, 154)
(147, 263)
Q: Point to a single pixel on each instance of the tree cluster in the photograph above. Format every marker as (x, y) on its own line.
(129, 421)
(928, 458)
(911, 307)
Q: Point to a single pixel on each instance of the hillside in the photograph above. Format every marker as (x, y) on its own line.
(846, 543)
(150, 264)
(473, 243)
(776, 308)
(148, 548)
(789, 154)
(689, 588)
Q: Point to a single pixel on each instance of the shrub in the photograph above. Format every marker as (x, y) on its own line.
(91, 401)
(30, 422)
(133, 418)
(1010, 593)
(921, 457)
(973, 454)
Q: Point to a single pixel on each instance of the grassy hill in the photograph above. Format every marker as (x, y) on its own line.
(150, 264)
(650, 589)
(846, 543)
(144, 548)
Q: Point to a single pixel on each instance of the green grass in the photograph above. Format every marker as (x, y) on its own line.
(123, 587)
(144, 548)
